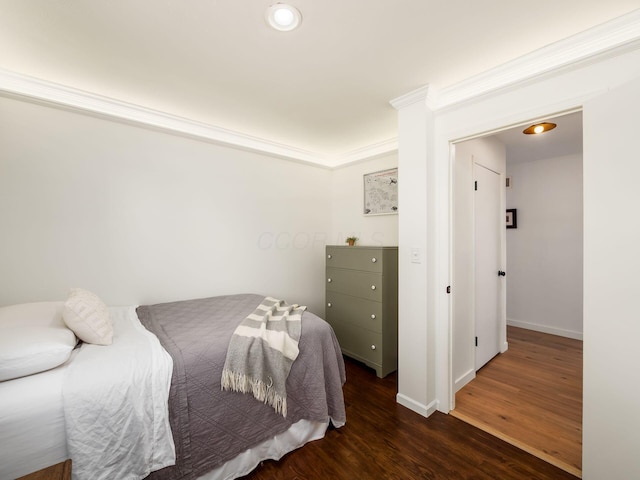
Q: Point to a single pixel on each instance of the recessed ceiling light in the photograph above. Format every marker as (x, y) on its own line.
(539, 128)
(283, 17)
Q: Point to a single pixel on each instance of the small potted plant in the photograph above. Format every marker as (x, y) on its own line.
(351, 241)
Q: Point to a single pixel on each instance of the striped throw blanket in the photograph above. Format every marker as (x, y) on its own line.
(261, 352)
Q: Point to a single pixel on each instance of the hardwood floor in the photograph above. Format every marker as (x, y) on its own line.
(384, 440)
(60, 471)
(531, 395)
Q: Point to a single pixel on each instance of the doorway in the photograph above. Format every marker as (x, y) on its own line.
(538, 294)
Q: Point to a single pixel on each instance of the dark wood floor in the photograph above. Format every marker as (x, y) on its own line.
(531, 396)
(384, 440)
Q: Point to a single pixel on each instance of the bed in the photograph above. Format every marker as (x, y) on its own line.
(160, 377)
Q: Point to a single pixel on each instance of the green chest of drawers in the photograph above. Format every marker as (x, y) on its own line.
(362, 303)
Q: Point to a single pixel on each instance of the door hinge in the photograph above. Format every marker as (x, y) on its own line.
(475, 185)
(448, 288)
(476, 341)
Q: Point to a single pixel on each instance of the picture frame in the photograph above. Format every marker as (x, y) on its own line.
(512, 218)
(380, 193)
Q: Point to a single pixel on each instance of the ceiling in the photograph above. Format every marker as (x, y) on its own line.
(565, 139)
(323, 88)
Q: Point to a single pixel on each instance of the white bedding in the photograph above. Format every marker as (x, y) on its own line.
(32, 433)
(125, 383)
(100, 384)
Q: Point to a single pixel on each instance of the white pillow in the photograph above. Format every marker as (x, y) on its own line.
(36, 314)
(33, 349)
(88, 317)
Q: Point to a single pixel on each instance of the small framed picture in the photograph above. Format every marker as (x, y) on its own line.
(381, 192)
(512, 218)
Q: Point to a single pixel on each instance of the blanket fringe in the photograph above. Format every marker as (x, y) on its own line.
(261, 391)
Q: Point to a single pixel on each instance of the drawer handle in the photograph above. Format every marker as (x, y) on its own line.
(329, 256)
(329, 304)
(374, 260)
(328, 280)
(373, 287)
(373, 347)
(373, 317)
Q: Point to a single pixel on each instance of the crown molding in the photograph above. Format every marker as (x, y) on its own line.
(426, 94)
(602, 41)
(42, 91)
(366, 153)
(606, 40)
(34, 89)
(414, 96)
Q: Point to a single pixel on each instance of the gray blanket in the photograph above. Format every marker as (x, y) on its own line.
(261, 351)
(211, 426)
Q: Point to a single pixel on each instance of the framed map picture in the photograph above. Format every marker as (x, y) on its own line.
(381, 192)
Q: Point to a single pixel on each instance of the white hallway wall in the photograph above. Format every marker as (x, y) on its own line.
(544, 254)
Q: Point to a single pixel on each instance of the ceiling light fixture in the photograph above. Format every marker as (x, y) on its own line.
(283, 17)
(539, 128)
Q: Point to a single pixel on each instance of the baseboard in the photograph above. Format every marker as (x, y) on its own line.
(545, 329)
(411, 404)
(463, 380)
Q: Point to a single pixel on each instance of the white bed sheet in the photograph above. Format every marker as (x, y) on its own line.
(32, 434)
(115, 401)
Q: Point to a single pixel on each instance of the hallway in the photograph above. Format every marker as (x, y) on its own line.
(531, 396)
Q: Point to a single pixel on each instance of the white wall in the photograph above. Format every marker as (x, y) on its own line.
(611, 419)
(416, 347)
(491, 153)
(141, 216)
(544, 254)
(424, 149)
(347, 193)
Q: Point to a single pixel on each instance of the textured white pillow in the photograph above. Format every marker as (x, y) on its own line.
(88, 317)
(33, 349)
(36, 314)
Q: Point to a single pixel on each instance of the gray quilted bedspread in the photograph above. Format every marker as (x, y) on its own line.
(211, 426)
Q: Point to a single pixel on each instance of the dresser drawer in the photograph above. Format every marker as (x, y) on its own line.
(356, 311)
(356, 258)
(355, 283)
(359, 343)
(361, 291)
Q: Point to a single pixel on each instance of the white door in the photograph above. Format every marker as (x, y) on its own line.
(489, 220)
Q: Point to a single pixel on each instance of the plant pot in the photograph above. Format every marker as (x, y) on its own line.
(351, 243)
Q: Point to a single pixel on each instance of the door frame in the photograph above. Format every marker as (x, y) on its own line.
(520, 122)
